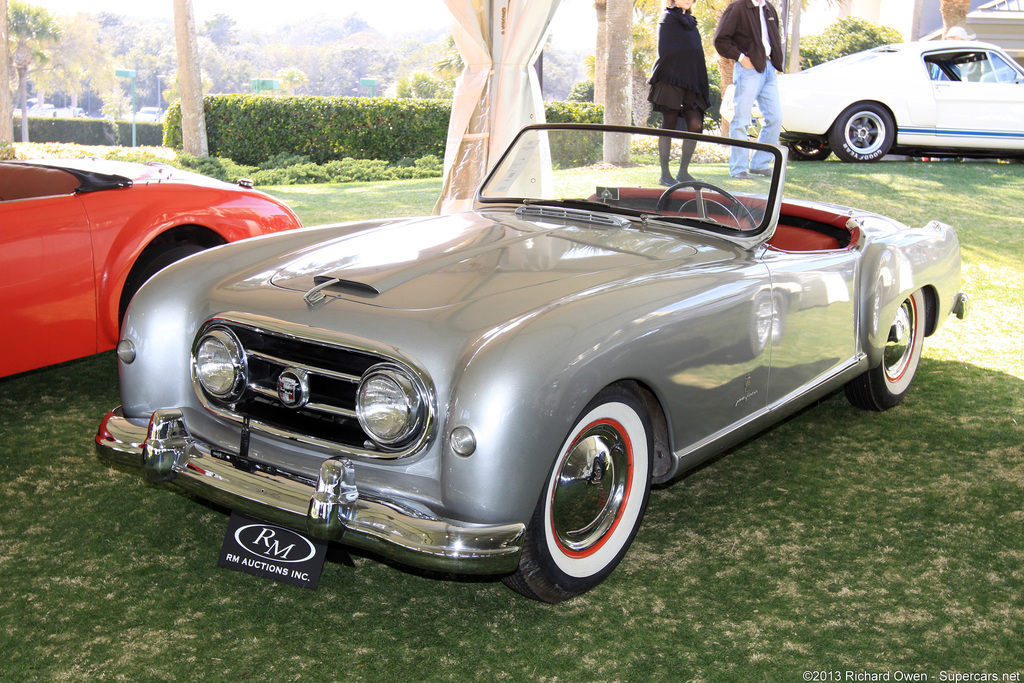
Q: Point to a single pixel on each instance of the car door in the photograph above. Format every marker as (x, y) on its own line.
(47, 283)
(814, 306)
(979, 101)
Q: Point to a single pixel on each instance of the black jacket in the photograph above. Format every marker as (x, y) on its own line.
(739, 32)
(680, 53)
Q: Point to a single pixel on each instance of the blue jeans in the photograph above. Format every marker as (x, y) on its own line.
(764, 88)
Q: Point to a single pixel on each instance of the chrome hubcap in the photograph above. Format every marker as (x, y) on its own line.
(899, 346)
(591, 488)
(865, 132)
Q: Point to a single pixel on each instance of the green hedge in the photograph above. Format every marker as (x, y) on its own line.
(573, 112)
(90, 131)
(253, 128)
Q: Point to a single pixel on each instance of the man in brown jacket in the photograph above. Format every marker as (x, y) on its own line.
(748, 33)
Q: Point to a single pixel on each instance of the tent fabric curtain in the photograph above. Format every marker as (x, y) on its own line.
(498, 91)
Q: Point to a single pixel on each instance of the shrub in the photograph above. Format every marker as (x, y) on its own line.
(582, 91)
(252, 128)
(845, 37)
(573, 112)
(90, 131)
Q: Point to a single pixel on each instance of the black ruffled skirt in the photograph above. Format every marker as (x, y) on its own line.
(669, 98)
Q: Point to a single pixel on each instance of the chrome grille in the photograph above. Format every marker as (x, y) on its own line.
(332, 369)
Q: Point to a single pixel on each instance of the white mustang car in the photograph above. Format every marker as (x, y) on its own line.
(935, 98)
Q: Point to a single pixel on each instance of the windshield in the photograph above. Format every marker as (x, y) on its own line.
(672, 177)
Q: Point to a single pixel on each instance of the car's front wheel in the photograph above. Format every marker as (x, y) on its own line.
(885, 385)
(592, 503)
(863, 132)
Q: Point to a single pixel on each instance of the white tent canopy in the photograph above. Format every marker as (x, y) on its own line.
(498, 92)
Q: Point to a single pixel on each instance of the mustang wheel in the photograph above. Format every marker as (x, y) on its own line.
(885, 385)
(809, 150)
(863, 132)
(592, 504)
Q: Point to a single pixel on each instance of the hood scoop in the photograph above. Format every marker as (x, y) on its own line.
(336, 284)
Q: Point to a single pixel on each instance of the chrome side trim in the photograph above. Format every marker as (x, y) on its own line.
(696, 453)
(333, 510)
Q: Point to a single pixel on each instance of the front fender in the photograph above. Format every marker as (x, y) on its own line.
(898, 265)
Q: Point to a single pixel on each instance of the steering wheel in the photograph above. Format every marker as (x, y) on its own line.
(702, 202)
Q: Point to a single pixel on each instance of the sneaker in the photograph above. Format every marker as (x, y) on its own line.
(667, 181)
(742, 175)
(684, 177)
(761, 171)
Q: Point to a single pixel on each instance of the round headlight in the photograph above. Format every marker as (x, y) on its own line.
(220, 364)
(389, 405)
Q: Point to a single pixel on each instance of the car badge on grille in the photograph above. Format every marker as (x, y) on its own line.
(293, 388)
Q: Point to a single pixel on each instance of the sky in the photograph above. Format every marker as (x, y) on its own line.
(574, 26)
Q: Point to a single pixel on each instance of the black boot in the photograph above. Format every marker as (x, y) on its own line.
(684, 163)
(664, 152)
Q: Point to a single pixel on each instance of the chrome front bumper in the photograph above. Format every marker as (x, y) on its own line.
(332, 510)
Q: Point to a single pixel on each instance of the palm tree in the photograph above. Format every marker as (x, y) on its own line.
(954, 13)
(292, 79)
(618, 94)
(34, 31)
(193, 119)
(6, 110)
(601, 51)
(78, 60)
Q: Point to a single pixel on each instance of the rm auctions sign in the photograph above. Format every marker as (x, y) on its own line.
(274, 552)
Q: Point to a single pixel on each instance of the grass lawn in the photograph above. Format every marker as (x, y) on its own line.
(839, 541)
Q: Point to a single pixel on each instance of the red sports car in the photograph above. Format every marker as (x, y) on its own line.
(79, 237)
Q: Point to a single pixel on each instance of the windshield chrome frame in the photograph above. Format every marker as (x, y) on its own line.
(745, 239)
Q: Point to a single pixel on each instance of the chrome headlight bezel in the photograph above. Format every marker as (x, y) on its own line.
(229, 388)
(401, 395)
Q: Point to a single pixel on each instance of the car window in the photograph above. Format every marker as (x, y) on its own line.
(1003, 71)
(978, 67)
(941, 67)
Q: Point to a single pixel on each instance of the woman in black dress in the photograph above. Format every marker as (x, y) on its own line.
(679, 84)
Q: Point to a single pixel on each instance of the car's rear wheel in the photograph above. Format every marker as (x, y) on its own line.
(809, 150)
(885, 385)
(592, 503)
(863, 132)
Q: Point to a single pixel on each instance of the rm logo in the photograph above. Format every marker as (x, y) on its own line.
(264, 549)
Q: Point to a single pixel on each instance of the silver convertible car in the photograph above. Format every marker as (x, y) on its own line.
(495, 392)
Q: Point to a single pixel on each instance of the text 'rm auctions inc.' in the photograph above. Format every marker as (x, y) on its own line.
(835, 676)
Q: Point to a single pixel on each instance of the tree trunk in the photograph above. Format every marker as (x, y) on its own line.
(954, 13)
(725, 67)
(640, 103)
(619, 93)
(794, 39)
(6, 106)
(193, 120)
(601, 51)
(23, 99)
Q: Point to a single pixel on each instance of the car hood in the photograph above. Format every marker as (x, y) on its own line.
(419, 264)
(108, 174)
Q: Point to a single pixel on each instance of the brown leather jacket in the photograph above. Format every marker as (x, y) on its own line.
(739, 32)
